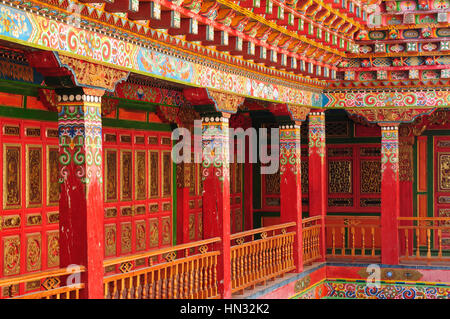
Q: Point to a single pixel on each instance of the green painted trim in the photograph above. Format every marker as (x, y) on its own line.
(161, 127)
(29, 114)
(20, 88)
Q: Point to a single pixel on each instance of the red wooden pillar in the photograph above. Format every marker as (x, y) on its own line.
(390, 195)
(81, 179)
(216, 194)
(317, 172)
(291, 186)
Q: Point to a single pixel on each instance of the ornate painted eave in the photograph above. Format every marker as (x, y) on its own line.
(95, 47)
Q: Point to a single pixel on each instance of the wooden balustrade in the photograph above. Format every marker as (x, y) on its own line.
(311, 229)
(353, 237)
(261, 254)
(425, 238)
(49, 282)
(187, 271)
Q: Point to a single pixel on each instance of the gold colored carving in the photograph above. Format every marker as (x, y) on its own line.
(167, 174)
(443, 172)
(340, 176)
(53, 217)
(370, 177)
(154, 174)
(51, 283)
(33, 131)
(141, 235)
(111, 175)
(272, 183)
(52, 249)
(11, 176)
(226, 102)
(299, 113)
(126, 211)
(154, 232)
(34, 175)
(126, 267)
(11, 255)
(169, 257)
(126, 172)
(394, 274)
(166, 232)
(11, 130)
(302, 284)
(305, 176)
(110, 212)
(34, 219)
(110, 240)
(34, 252)
(139, 167)
(125, 238)
(53, 187)
(406, 158)
(11, 221)
(153, 208)
(191, 227)
(139, 210)
(91, 74)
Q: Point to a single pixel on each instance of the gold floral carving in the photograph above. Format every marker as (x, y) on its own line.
(272, 183)
(111, 175)
(92, 74)
(154, 232)
(167, 174)
(226, 102)
(154, 174)
(139, 166)
(389, 115)
(11, 176)
(299, 113)
(110, 240)
(406, 158)
(11, 255)
(126, 169)
(370, 177)
(52, 249)
(340, 176)
(125, 238)
(34, 176)
(444, 172)
(166, 231)
(52, 176)
(34, 252)
(141, 235)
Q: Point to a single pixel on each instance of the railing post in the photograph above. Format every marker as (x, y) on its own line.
(81, 175)
(317, 173)
(290, 186)
(390, 195)
(216, 195)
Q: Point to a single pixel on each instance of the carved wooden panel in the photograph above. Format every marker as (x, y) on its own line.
(166, 174)
(34, 166)
(340, 176)
(154, 173)
(125, 237)
(141, 235)
(53, 187)
(154, 232)
(53, 248)
(12, 169)
(34, 251)
(140, 179)
(110, 175)
(444, 171)
(110, 240)
(126, 169)
(370, 177)
(11, 255)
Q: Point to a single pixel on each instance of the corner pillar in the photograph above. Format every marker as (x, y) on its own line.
(81, 179)
(390, 194)
(317, 173)
(216, 195)
(291, 186)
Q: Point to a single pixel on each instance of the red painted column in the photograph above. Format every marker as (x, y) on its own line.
(216, 194)
(81, 178)
(291, 186)
(317, 172)
(390, 195)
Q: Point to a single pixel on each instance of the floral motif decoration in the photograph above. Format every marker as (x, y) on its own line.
(317, 133)
(80, 140)
(290, 149)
